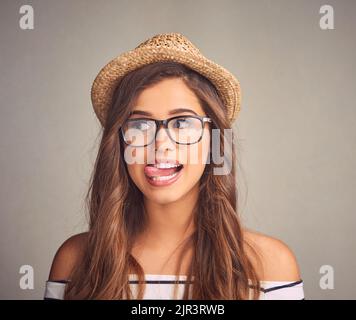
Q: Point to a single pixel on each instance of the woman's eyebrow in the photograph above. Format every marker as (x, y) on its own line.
(171, 112)
(181, 110)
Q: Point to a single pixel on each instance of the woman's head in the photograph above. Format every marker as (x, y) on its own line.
(160, 91)
(176, 167)
(163, 91)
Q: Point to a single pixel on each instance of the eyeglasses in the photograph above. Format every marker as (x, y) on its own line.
(140, 132)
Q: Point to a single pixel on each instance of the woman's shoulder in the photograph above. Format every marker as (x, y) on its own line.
(67, 256)
(272, 258)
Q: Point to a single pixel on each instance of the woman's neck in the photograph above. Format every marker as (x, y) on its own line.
(170, 223)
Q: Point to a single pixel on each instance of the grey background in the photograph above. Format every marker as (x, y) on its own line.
(297, 126)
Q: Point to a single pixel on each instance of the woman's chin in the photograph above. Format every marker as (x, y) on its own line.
(164, 197)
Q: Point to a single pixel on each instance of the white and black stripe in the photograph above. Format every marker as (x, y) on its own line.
(283, 290)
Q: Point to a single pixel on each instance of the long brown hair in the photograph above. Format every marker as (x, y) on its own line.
(220, 265)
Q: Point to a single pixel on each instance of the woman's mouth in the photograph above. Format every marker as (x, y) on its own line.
(163, 173)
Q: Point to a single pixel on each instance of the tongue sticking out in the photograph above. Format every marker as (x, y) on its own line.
(154, 172)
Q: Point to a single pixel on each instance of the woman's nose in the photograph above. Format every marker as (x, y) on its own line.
(163, 141)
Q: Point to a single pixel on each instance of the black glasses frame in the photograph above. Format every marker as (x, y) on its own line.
(164, 123)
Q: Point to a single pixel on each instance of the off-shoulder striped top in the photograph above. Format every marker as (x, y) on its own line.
(159, 286)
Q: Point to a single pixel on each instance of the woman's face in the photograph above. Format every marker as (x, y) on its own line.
(168, 171)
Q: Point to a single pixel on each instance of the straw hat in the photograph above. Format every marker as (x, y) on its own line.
(164, 47)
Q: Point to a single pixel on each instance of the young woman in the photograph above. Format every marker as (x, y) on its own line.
(170, 218)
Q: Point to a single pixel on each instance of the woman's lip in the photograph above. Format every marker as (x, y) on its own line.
(152, 171)
(166, 161)
(161, 183)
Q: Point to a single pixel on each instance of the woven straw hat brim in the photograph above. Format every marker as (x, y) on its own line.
(110, 75)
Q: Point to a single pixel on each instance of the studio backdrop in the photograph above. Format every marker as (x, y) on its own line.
(296, 131)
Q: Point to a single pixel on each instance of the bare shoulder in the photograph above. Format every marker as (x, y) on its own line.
(275, 261)
(67, 256)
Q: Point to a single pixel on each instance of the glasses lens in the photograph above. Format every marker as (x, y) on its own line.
(185, 130)
(139, 132)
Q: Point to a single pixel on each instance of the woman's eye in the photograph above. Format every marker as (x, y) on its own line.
(140, 125)
(181, 123)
